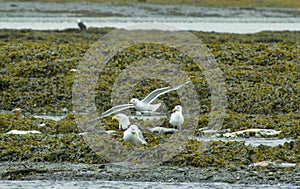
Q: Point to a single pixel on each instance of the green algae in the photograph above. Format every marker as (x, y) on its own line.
(38, 67)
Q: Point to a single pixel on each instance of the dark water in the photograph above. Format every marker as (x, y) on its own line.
(50, 16)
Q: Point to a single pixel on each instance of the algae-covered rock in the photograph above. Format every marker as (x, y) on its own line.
(37, 70)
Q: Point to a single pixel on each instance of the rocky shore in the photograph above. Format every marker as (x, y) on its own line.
(270, 175)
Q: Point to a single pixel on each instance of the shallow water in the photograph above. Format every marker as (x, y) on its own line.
(51, 16)
(250, 141)
(123, 184)
(253, 141)
(222, 25)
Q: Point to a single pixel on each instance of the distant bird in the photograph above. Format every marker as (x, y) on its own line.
(143, 106)
(81, 25)
(132, 133)
(177, 118)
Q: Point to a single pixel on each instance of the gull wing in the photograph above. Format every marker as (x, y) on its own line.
(140, 135)
(156, 93)
(116, 109)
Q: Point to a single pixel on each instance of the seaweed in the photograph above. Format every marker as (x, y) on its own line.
(37, 70)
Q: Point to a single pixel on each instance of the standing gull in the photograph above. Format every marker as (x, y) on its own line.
(123, 120)
(144, 105)
(177, 118)
(132, 133)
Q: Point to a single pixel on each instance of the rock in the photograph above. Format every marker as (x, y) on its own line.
(163, 130)
(255, 132)
(17, 111)
(101, 132)
(82, 134)
(111, 132)
(273, 164)
(19, 132)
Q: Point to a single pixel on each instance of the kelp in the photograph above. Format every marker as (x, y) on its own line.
(37, 70)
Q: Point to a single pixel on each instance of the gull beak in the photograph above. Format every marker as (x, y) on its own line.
(173, 110)
(136, 134)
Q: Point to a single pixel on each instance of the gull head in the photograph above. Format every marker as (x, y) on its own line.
(123, 121)
(177, 108)
(134, 130)
(134, 101)
(78, 20)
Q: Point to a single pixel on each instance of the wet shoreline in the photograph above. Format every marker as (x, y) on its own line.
(53, 16)
(248, 175)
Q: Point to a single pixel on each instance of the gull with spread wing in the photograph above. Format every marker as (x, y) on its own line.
(143, 106)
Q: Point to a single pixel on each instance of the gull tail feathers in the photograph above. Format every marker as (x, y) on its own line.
(154, 107)
(141, 139)
(144, 142)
